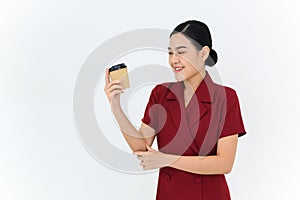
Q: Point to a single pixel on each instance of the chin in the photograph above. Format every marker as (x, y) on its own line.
(179, 78)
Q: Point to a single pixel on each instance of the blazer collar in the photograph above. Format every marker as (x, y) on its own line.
(204, 91)
(175, 107)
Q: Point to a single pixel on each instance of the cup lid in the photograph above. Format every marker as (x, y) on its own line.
(116, 67)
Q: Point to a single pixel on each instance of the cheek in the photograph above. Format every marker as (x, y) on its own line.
(192, 63)
(190, 71)
(190, 66)
(188, 60)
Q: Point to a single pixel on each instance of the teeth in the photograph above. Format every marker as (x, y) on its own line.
(178, 68)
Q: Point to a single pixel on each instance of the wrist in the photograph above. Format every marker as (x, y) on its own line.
(115, 107)
(171, 159)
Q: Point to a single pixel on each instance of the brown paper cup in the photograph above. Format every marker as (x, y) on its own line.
(120, 74)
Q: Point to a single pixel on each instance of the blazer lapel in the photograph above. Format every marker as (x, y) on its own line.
(203, 95)
(184, 119)
(196, 110)
(174, 105)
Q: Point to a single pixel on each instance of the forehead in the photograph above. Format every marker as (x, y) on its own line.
(178, 39)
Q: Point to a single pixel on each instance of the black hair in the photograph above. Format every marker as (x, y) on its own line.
(198, 33)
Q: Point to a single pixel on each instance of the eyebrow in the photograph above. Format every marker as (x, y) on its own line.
(178, 47)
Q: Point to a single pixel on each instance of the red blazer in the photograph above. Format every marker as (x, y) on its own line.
(212, 113)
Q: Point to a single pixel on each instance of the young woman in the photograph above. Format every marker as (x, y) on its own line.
(196, 121)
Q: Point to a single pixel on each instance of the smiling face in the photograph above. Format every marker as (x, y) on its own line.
(186, 61)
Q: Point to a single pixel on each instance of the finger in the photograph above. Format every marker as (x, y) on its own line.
(112, 83)
(115, 92)
(117, 81)
(146, 167)
(142, 164)
(149, 148)
(115, 87)
(149, 168)
(106, 77)
(140, 153)
(140, 158)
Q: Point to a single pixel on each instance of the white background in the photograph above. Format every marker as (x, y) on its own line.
(43, 45)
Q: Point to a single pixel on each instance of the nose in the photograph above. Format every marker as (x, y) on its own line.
(174, 58)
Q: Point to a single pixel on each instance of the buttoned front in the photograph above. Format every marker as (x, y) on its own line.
(167, 176)
(198, 180)
(212, 113)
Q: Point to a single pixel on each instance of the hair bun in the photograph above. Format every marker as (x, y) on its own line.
(212, 58)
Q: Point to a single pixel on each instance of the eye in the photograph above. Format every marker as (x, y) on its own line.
(181, 52)
(170, 53)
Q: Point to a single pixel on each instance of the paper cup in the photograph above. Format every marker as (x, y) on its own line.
(119, 72)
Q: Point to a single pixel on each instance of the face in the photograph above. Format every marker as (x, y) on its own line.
(186, 61)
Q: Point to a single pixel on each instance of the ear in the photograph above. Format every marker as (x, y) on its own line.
(204, 53)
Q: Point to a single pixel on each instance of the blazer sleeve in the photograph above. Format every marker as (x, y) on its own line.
(150, 113)
(231, 119)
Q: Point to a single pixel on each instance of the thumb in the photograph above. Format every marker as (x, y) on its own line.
(148, 147)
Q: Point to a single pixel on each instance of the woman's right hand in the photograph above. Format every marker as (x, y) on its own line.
(113, 90)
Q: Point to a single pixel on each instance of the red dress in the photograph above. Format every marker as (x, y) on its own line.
(212, 113)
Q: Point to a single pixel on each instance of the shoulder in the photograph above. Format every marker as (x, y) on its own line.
(226, 92)
(161, 88)
(230, 92)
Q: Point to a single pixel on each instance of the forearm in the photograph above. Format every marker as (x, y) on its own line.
(201, 164)
(133, 137)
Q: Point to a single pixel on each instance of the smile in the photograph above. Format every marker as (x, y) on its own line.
(178, 69)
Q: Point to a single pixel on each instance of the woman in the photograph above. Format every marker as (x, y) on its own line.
(196, 121)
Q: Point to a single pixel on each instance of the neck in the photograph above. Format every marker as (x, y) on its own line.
(191, 84)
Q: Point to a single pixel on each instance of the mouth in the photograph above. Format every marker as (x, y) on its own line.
(178, 69)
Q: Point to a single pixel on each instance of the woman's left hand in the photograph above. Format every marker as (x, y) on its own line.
(152, 159)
